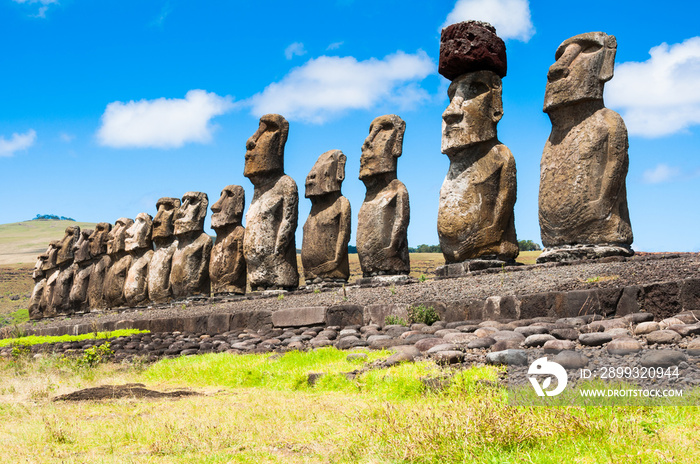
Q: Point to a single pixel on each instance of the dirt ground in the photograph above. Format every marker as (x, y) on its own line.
(130, 390)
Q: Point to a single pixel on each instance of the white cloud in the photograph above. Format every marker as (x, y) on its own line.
(659, 96)
(162, 123)
(164, 12)
(661, 173)
(511, 18)
(334, 46)
(66, 137)
(328, 85)
(295, 49)
(41, 12)
(17, 142)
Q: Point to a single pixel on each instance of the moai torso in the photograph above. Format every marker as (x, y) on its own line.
(51, 274)
(83, 268)
(159, 290)
(583, 197)
(227, 268)
(189, 274)
(121, 262)
(140, 248)
(382, 224)
(324, 250)
(101, 262)
(269, 245)
(35, 309)
(64, 282)
(475, 216)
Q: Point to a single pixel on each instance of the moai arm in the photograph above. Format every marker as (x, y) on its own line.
(398, 232)
(616, 165)
(341, 245)
(288, 225)
(204, 246)
(505, 199)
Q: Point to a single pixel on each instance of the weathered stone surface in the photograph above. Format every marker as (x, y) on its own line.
(662, 358)
(163, 235)
(475, 216)
(583, 199)
(623, 346)
(35, 308)
(481, 342)
(646, 328)
(382, 225)
(595, 339)
(471, 46)
(140, 246)
(120, 263)
(460, 337)
(531, 330)
(227, 268)
(690, 294)
(60, 298)
(269, 245)
(101, 262)
(508, 358)
(537, 340)
(82, 259)
(344, 315)
(377, 313)
(324, 250)
(299, 317)
(557, 346)
(256, 320)
(426, 343)
(500, 307)
(694, 347)
(189, 273)
(571, 359)
(662, 299)
(663, 337)
(629, 301)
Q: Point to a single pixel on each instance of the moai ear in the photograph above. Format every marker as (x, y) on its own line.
(340, 173)
(607, 69)
(399, 130)
(496, 99)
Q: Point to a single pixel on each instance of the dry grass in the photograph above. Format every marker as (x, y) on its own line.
(22, 242)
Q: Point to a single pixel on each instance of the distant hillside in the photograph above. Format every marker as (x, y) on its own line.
(22, 242)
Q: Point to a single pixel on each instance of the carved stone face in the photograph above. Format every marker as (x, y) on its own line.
(164, 222)
(99, 238)
(117, 236)
(191, 213)
(229, 209)
(81, 249)
(583, 64)
(474, 110)
(265, 148)
(138, 235)
(51, 255)
(65, 254)
(382, 146)
(327, 174)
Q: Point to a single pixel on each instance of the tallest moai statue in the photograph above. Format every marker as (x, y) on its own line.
(583, 198)
(475, 217)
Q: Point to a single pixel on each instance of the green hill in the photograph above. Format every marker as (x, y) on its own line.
(22, 242)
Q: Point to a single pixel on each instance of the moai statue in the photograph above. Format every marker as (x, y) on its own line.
(583, 198)
(324, 250)
(227, 268)
(35, 309)
(189, 274)
(163, 235)
(51, 273)
(101, 262)
(269, 245)
(64, 259)
(121, 262)
(476, 223)
(139, 245)
(82, 261)
(382, 225)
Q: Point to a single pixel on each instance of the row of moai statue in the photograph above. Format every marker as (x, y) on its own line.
(582, 202)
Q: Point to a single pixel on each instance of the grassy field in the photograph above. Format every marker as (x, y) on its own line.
(261, 408)
(22, 242)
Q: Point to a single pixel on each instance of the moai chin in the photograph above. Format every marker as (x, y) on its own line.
(189, 274)
(101, 263)
(382, 224)
(64, 259)
(139, 245)
(269, 245)
(324, 250)
(121, 262)
(35, 308)
(583, 197)
(227, 268)
(51, 272)
(475, 215)
(163, 235)
(83, 263)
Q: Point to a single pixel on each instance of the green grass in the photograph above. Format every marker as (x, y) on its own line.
(36, 340)
(256, 409)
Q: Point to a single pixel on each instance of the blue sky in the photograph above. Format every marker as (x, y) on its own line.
(106, 106)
